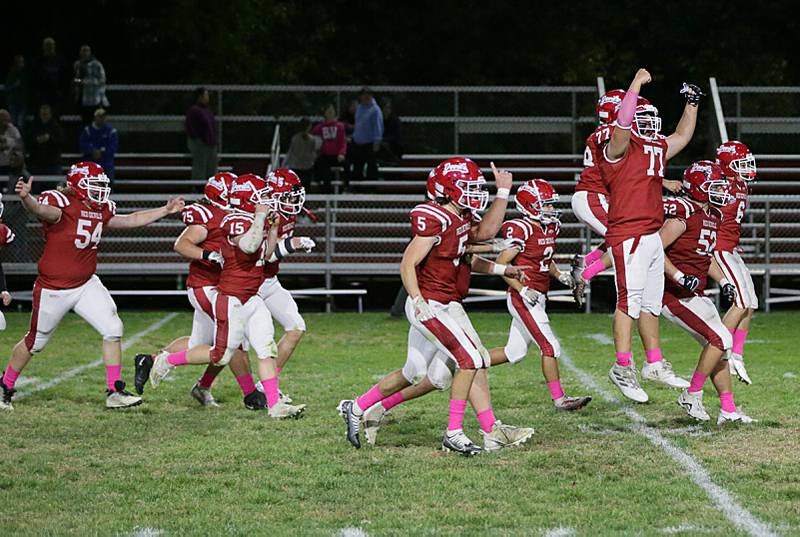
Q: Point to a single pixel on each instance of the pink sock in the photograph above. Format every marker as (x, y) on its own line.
(457, 408)
(209, 375)
(113, 374)
(593, 256)
(372, 396)
(486, 419)
(739, 337)
(698, 379)
(270, 390)
(556, 392)
(393, 400)
(593, 270)
(279, 370)
(10, 377)
(246, 383)
(624, 359)
(726, 401)
(653, 355)
(179, 358)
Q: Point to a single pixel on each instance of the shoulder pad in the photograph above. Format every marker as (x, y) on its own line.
(54, 198)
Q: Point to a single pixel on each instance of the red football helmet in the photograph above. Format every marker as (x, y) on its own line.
(737, 160)
(646, 122)
(532, 199)
(249, 190)
(89, 181)
(705, 181)
(218, 187)
(608, 105)
(287, 190)
(461, 181)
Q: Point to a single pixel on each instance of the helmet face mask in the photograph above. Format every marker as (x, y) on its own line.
(291, 202)
(536, 199)
(474, 194)
(460, 181)
(718, 192)
(744, 168)
(89, 182)
(647, 122)
(288, 193)
(705, 182)
(98, 188)
(737, 161)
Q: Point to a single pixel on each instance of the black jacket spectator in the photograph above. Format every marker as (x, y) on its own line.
(44, 142)
(50, 78)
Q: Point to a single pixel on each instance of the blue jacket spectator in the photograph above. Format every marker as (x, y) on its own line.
(367, 136)
(99, 142)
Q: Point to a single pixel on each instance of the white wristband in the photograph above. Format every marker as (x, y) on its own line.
(723, 282)
(503, 193)
(499, 269)
(678, 277)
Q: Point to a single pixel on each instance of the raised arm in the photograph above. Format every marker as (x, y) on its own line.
(45, 213)
(493, 219)
(148, 216)
(685, 129)
(621, 135)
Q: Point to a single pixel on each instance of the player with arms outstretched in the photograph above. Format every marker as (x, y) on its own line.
(633, 164)
(74, 220)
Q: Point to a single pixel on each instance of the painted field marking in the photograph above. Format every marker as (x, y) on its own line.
(602, 339)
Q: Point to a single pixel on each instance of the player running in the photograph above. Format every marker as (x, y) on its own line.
(201, 242)
(689, 234)
(633, 164)
(6, 238)
(430, 270)
(74, 220)
(739, 166)
(238, 311)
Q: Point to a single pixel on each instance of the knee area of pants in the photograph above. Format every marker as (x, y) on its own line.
(113, 330)
(727, 340)
(413, 374)
(515, 355)
(441, 380)
(556, 350)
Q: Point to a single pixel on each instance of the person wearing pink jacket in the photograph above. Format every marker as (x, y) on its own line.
(334, 146)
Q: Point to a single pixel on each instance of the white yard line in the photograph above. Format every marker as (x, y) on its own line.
(66, 375)
(602, 339)
(727, 504)
(558, 532)
(352, 532)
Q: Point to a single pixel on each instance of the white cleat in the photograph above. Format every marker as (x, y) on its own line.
(570, 404)
(734, 417)
(693, 404)
(626, 380)
(372, 420)
(161, 368)
(736, 365)
(119, 398)
(282, 410)
(661, 372)
(285, 397)
(204, 396)
(458, 442)
(505, 436)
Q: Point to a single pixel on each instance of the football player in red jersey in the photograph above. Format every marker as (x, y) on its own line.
(6, 238)
(74, 220)
(590, 201)
(238, 311)
(430, 273)
(633, 166)
(201, 242)
(689, 234)
(739, 166)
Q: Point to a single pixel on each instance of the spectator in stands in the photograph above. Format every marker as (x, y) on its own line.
(302, 152)
(392, 146)
(89, 79)
(367, 136)
(333, 149)
(50, 78)
(99, 142)
(44, 138)
(17, 90)
(10, 142)
(201, 133)
(349, 117)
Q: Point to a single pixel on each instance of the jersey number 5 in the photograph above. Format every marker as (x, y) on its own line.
(656, 153)
(88, 236)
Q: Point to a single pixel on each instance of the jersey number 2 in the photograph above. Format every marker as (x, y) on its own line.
(88, 236)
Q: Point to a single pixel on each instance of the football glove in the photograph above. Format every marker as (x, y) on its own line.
(217, 257)
(566, 279)
(729, 291)
(306, 243)
(422, 310)
(530, 296)
(694, 96)
(689, 282)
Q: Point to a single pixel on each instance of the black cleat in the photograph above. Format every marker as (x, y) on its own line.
(352, 422)
(255, 400)
(8, 393)
(142, 363)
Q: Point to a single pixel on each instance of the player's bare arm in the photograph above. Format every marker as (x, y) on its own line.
(148, 216)
(673, 186)
(415, 252)
(253, 238)
(480, 248)
(272, 237)
(715, 272)
(187, 243)
(621, 135)
(506, 257)
(481, 265)
(45, 213)
(685, 129)
(669, 233)
(493, 218)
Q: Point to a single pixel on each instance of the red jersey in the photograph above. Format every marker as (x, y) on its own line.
(463, 279)
(242, 273)
(634, 188)
(285, 230)
(205, 273)
(591, 180)
(438, 273)
(537, 245)
(691, 252)
(6, 235)
(732, 214)
(70, 250)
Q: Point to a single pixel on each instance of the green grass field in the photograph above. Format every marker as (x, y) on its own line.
(169, 467)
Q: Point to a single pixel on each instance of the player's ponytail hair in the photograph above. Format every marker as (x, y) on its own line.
(65, 189)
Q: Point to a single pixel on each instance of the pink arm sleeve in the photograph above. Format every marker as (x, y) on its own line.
(627, 109)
